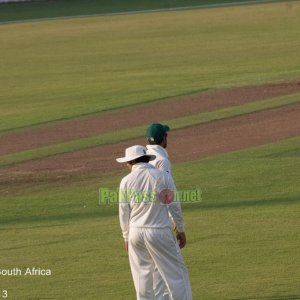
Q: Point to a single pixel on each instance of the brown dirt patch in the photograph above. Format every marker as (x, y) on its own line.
(185, 144)
(139, 115)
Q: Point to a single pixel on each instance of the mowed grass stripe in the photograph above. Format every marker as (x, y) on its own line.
(135, 132)
(21, 12)
(255, 163)
(248, 220)
(68, 68)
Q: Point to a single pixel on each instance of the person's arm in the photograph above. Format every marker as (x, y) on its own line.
(124, 213)
(126, 246)
(175, 211)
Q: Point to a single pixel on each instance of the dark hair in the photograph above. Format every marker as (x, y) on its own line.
(144, 159)
(157, 142)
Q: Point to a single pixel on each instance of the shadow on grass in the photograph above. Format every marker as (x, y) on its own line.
(289, 297)
(283, 154)
(57, 242)
(243, 203)
(112, 210)
(75, 216)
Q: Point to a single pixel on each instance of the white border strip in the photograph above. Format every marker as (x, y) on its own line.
(216, 5)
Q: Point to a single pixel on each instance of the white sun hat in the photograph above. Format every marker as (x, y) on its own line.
(134, 152)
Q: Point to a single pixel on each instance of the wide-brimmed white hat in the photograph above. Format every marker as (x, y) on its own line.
(135, 152)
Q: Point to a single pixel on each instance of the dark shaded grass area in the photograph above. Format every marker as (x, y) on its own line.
(289, 297)
(64, 8)
(112, 210)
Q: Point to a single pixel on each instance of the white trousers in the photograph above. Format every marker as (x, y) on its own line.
(150, 247)
(160, 289)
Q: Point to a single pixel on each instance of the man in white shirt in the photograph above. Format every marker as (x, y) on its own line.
(145, 201)
(157, 137)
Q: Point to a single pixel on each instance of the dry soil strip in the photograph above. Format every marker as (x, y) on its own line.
(184, 145)
(139, 115)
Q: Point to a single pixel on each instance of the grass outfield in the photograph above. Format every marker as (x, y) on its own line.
(243, 238)
(64, 69)
(135, 132)
(62, 8)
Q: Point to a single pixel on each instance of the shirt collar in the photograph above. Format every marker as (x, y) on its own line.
(153, 149)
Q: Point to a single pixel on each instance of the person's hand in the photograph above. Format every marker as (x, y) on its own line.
(174, 227)
(181, 238)
(126, 246)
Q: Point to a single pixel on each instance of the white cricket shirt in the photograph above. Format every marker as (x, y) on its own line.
(139, 204)
(161, 161)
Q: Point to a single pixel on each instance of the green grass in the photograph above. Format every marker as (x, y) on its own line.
(135, 132)
(243, 238)
(63, 69)
(62, 8)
